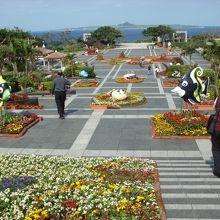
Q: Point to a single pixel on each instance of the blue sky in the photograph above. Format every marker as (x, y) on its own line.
(37, 15)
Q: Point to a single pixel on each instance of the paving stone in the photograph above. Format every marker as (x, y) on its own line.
(189, 189)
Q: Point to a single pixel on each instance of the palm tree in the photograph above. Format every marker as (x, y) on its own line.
(7, 55)
(215, 65)
(189, 49)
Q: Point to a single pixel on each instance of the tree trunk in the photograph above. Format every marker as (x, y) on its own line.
(15, 69)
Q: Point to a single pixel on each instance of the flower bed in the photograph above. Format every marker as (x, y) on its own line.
(170, 82)
(37, 187)
(23, 106)
(86, 84)
(22, 102)
(17, 124)
(203, 105)
(173, 125)
(123, 80)
(133, 99)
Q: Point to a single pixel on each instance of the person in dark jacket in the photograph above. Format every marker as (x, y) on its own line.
(59, 87)
(216, 140)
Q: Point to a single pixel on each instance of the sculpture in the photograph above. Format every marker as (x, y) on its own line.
(5, 91)
(118, 95)
(191, 86)
(130, 75)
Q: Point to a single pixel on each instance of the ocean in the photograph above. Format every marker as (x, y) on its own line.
(132, 35)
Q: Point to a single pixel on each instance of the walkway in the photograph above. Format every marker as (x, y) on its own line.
(189, 189)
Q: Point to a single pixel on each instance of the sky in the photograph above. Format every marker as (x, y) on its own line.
(45, 15)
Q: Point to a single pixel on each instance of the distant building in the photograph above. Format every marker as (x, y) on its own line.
(86, 36)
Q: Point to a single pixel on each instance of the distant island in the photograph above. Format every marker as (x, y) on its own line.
(128, 25)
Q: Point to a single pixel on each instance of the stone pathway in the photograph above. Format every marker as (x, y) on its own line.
(189, 189)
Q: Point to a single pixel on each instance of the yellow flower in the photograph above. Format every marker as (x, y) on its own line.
(140, 198)
(151, 195)
(83, 186)
(45, 214)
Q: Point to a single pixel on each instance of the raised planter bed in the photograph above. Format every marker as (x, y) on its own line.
(23, 131)
(171, 126)
(170, 83)
(133, 99)
(23, 102)
(123, 80)
(204, 105)
(85, 84)
(35, 93)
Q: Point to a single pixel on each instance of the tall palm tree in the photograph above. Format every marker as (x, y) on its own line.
(7, 55)
(215, 64)
(189, 49)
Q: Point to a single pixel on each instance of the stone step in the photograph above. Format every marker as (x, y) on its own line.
(189, 189)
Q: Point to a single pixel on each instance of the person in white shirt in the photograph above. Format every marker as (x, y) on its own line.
(157, 70)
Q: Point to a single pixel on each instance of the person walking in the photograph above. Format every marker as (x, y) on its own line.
(149, 69)
(141, 63)
(59, 86)
(157, 71)
(215, 139)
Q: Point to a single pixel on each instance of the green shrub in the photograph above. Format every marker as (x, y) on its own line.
(25, 82)
(212, 93)
(175, 71)
(100, 56)
(218, 85)
(88, 69)
(209, 73)
(48, 85)
(12, 81)
(68, 72)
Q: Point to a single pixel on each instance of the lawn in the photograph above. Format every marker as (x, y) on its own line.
(218, 41)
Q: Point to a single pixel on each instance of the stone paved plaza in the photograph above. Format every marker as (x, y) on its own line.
(189, 189)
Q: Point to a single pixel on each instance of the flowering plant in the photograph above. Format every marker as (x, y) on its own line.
(14, 123)
(86, 84)
(170, 82)
(80, 188)
(123, 80)
(134, 98)
(175, 123)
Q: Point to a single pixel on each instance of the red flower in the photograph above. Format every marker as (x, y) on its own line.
(69, 204)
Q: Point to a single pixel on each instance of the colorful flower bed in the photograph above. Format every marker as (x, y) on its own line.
(15, 102)
(134, 98)
(172, 123)
(123, 80)
(38, 187)
(14, 123)
(170, 82)
(86, 84)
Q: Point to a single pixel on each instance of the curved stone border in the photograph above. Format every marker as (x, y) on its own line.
(122, 80)
(180, 137)
(24, 130)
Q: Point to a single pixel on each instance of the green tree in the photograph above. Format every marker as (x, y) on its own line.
(4, 54)
(189, 49)
(215, 64)
(106, 35)
(162, 31)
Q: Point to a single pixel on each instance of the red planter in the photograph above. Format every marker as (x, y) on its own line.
(23, 131)
(180, 137)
